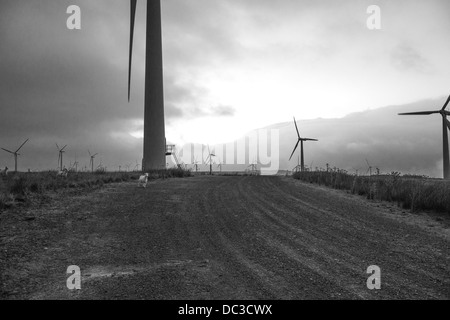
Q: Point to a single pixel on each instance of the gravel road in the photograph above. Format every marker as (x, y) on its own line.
(219, 237)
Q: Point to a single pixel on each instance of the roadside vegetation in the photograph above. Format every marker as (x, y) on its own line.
(17, 188)
(409, 192)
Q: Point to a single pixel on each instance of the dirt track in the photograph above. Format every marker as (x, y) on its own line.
(222, 238)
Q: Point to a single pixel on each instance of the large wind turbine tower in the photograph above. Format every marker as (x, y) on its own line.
(154, 132)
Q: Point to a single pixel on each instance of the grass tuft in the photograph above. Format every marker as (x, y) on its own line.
(410, 192)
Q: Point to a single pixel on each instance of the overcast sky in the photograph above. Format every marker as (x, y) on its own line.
(229, 66)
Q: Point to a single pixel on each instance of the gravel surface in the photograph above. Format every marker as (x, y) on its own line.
(219, 237)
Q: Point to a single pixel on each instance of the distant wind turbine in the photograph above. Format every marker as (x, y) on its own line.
(210, 155)
(60, 156)
(356, 170)
(15, 153)
(445, 126)
(254, 167)
(300, 140)
(369, 168)
(76, 164)
(92, 160)
(195, 163)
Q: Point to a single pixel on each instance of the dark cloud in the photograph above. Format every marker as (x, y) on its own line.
(194, 33)
(66, 87)
(181, 99)
(59, 77)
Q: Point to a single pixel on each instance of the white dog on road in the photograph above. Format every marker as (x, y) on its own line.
(143, 180)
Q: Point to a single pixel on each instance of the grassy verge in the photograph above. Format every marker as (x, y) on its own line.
(410, 192)
(18, 187)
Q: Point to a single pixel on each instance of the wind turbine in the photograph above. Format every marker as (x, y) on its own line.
(74, 166)
(92, 160)
(154, 131)
(445, 126)
(210, 155)
(60, 156)
(356, 170)
(15, 153)
(300, 140)
(196, 164)
(370, 167)
(254, 167)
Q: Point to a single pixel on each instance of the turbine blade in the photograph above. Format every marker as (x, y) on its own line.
(446, 103)
(294, 149)
(22, 145)
(296, 128)
(63, 147)
(132, 19)
(8, 151)
(418, 113)
(309, 139)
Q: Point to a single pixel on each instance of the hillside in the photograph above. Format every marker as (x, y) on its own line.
(408, 144)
